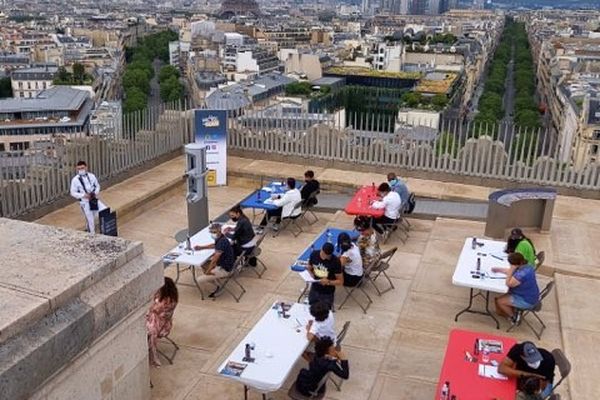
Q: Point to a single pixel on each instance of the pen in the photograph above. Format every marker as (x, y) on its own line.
(497, 258)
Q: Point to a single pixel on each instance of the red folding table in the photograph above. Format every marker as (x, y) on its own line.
(360, 204)
(463, 375)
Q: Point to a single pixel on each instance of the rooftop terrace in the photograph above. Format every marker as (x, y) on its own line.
(396, 350)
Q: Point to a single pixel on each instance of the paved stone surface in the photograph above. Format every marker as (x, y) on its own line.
(578, 305)
(410, 323)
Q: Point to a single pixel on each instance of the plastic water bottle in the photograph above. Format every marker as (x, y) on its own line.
(329, 237)
(188, 243)
(474, 243)
(258, 194)
(478, 264)
(445, 393)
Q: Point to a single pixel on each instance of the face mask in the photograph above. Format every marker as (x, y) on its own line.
(535, 365)
(215, 236)
(393, 182)
(235, 219)
(81, 172)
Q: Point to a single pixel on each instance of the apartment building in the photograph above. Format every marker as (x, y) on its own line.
(29, 82)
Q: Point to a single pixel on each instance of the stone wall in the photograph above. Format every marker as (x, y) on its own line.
(72, 314)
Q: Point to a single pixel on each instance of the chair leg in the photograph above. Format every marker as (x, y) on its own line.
(337, 383)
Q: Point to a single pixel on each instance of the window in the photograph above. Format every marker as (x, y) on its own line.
(19, 146)
(44, 85)
(22, 94)
(20, 85)
(29, 85)
(29, 93)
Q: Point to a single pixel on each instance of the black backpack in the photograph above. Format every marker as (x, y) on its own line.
(410, 206)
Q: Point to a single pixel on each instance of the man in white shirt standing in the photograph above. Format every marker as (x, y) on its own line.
(390, 202)
(85, 188)
(286, 205)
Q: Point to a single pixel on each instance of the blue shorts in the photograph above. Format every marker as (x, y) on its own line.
(518, 302)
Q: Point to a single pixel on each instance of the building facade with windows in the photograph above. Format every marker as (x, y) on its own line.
(28, 82)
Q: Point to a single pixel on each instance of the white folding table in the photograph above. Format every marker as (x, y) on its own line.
(191, 258)
(278, 343)
(491, 253)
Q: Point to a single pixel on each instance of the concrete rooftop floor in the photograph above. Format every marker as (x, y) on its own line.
(397, 349)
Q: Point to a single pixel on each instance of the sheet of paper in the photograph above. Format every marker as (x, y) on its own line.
(307, 276)
(490, 371)
(267, 189)
(268, 201)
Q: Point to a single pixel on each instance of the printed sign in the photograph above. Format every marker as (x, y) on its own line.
(211, 131)
(108, 222)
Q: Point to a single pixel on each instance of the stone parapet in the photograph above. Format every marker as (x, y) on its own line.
(61, 293)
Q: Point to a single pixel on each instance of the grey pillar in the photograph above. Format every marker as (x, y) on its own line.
(197, 195)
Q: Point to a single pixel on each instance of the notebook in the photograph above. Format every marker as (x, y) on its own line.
(490, 371)
(233, 368)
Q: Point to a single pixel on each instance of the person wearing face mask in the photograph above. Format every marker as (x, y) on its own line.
(525, 360)
(85, 188)
(398, 186)
(351, 260)
(242, 235)
(222, 261)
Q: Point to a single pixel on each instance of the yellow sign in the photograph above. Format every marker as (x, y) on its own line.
(211, 177)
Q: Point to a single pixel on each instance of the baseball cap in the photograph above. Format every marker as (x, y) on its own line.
(516, 233)
(328, 248)
(531, 354)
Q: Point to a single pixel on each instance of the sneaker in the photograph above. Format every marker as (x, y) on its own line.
(275, 227)
(214, 294)
(516, 318)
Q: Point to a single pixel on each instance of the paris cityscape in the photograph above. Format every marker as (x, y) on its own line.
(411, 156)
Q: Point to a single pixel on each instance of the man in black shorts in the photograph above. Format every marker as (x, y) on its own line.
(326, 267)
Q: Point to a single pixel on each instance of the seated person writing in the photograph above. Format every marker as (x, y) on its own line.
(523, 290)
(525, 360)
(368, 241)
(390, 202)
(351, 260)
(326, 359)
(519, 243)
(310, 186)
(323, 323)
(324, 266)
(242, 235)
(286, 205)
(398, 186)
(222, 261)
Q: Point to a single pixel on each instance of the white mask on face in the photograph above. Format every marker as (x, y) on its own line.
(81, 172)
(214, 236)
(535, 365)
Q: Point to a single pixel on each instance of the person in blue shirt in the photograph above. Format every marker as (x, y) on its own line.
(399, 187)
(523, 290)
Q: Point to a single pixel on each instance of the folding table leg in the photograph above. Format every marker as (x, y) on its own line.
(303, 293)
(245, 392)
(470, 309)
(196, 281)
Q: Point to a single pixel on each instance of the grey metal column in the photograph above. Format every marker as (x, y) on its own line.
(197, 194)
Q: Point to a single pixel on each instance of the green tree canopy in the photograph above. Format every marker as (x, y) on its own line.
(167, 72)
(136, 78)
(135, 100)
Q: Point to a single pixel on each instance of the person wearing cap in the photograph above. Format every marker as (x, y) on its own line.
(326, 268)
(398, 186)
(523, 291)
(222, 261)
(519, 243)
(525, 360)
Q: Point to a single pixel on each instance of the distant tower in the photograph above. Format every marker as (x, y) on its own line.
(230, 8)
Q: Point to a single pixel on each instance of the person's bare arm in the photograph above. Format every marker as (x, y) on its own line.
(338, 281)
(204, 246)
(508, 368)
(309, 335)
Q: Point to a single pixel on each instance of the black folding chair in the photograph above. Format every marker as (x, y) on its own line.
(294, 394)
(540, 258)
(168, 340)
(396, 226)
(534, 311)
(564, 366)
(350, 290)
(308, 207)
(287, 223)
(255, 253)
(225, 283)
(338, 382)
(380, 266)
